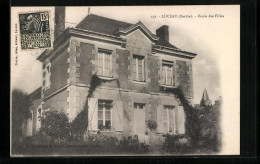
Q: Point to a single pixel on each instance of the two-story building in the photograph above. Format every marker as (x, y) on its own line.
(144, 66)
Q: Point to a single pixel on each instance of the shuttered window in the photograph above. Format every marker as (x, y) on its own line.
(104, 115)
(138, 68)
(167, 72)
(174, 119)
(169, 118)
(104, 63)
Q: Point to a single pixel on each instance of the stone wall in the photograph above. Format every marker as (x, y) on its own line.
(184, 77)
(57, 102)
(58, 70)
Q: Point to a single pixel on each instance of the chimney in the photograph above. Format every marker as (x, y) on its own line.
(59, 21)
(163, 32)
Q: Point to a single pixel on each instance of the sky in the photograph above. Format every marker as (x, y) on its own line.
(215, 40)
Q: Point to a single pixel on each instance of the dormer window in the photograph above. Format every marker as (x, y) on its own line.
(138, 68)
(104, 58)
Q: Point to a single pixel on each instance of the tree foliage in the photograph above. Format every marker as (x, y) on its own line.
(20, 111)
(192, 122)
(202, 125)
(55, 124)
(209, 132)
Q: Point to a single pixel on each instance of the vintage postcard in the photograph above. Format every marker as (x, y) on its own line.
(125, 81)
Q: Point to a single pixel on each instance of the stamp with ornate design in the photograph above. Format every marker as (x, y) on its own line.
(35, 30)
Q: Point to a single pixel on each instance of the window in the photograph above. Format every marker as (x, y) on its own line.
(169, 118)
(47, 77)
(104, 63)
(139, 106)
(138, 68)
(104, 115)
(31, 115)
(39, 113)
(167, 72)
(174, 119)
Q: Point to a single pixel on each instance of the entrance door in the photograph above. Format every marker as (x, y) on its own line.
(139, 121)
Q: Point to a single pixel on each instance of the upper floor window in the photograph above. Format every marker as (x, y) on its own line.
(104, 114)
(104, 63)
(167, 72)
(47, 76)
(138, 68)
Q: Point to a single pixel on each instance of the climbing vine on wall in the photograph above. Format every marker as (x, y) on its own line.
(202, 124)
(191, 124)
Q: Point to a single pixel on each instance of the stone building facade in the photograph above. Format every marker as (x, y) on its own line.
(144, 66)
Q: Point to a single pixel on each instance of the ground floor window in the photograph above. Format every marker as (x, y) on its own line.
(104, 115)
(139, 106)
(174, 119)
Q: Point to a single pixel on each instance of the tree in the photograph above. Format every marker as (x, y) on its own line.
(55, 124)
(20, 112)
(209, 128)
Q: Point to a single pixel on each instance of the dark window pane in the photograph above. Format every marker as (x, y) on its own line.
(108, 124)
(100, 123)
(100, 107)
(108, 115)
(108, 106)
(100, 115)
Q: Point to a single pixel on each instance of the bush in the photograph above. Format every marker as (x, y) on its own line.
(176, 143)
(55, 124)
(152, 125)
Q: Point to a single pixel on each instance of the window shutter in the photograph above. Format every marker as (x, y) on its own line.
(160, 120)
(134, 68)
(117, 116)
(92, 114)
(173, 74)
(111, 58)
(175, 120)
(181, 120)
(99, 63)
(161, 81)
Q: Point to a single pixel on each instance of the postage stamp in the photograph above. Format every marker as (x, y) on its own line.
(35, 30)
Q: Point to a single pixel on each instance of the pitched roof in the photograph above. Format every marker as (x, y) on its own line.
(101, 24)
(36, 94)
(110, 26)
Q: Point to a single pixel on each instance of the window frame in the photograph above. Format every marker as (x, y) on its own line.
(135, 60)
(138, 106)
(167, 64)
(110, 54)
(174, 127)
(104, 110)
